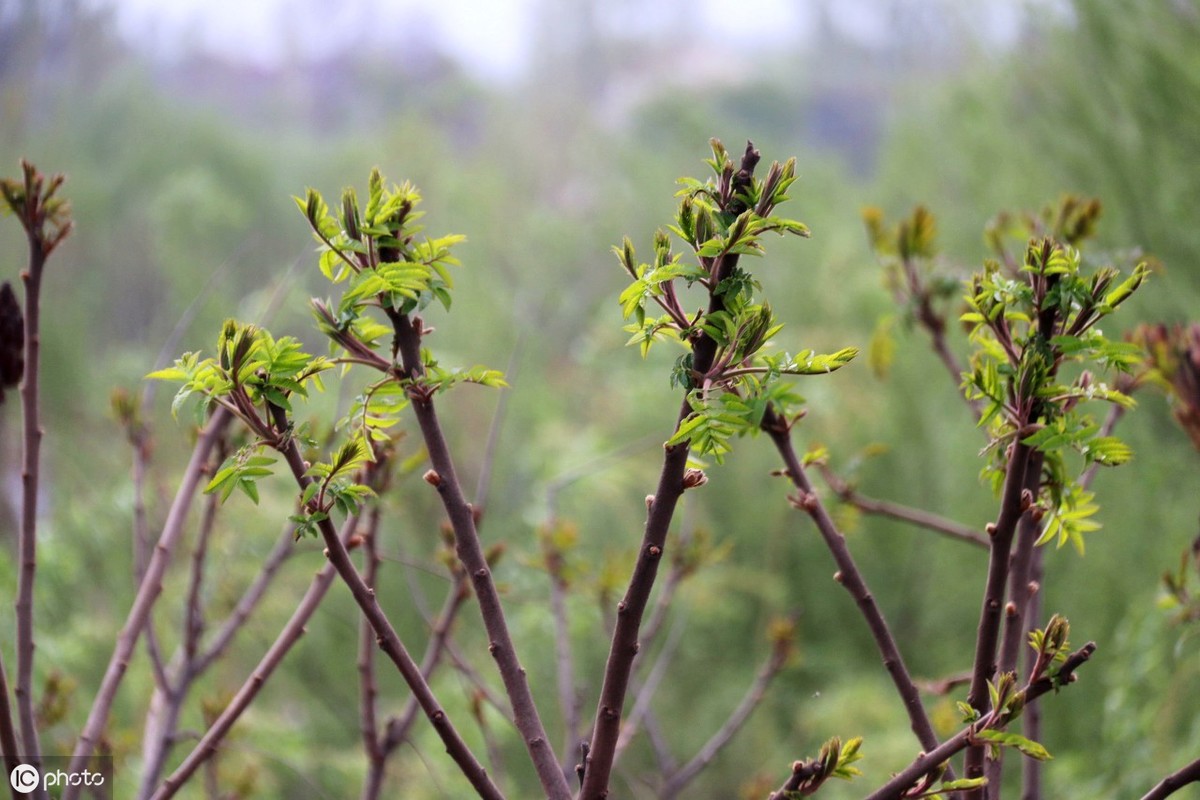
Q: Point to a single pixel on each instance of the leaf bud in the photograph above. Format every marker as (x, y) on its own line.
(432, 477)
(649, 501)
(693, 478)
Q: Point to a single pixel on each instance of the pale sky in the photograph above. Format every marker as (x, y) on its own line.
(491, 38)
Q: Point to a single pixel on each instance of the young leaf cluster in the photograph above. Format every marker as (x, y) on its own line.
(1026, 325)
(386, 263)
(333, 487)
(251, 372)
(718, 222)
(377, 250)
(256, 376)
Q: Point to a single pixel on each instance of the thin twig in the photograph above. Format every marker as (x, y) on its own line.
(903, 513)
(281, 552)
(148, 593)
(851, 578)
(774, 662)
(288, 636)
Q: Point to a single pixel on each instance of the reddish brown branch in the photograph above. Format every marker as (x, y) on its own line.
(44, 219)
(927, 762)
(851, 579)
(1012, 508)
(1021, 590)
(902, 513)
(1175, 781)
(470, 552)
(8, 733)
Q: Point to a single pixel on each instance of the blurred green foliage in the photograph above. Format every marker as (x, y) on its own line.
(181, 199)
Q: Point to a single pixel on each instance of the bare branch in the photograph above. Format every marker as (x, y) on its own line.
(148, 593)
(851, 578)
(408, 333)
(913, 516)
(1012, 508)
(1175, 781)
(288, 636)
(8, 733)
(46, 224)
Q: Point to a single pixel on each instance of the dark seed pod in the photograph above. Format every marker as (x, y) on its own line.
(12, 339)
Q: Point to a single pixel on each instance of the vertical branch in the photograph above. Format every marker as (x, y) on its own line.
(623, 650)
(147, 595)
(32, 200)
(470, 552)
(1021, 590)
(849, 576)
(368, 689)
(8, 733)
(1012, 507)
(1031, 720)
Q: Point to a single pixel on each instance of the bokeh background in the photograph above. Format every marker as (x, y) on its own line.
(545, 130)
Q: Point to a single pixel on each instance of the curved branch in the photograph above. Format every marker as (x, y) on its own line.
(1175, 781)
